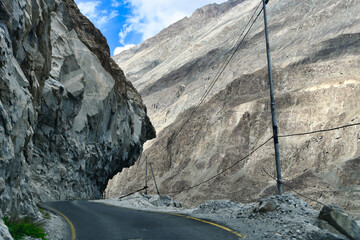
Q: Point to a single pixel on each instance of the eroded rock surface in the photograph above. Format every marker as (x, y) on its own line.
(69, 120)
(315, 54)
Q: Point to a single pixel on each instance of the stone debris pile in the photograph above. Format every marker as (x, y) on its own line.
(273, 217)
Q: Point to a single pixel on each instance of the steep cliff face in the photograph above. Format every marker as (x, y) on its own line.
(316, 58)
(69, 120)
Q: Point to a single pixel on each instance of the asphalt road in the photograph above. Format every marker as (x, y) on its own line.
(95, 221)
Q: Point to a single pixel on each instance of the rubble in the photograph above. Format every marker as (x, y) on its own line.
(273, 217)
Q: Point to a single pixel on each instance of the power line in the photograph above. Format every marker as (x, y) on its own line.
(218, 74)
(235, 49)
(260, 146)
(319, 131)
(292, 189)
(226, 169)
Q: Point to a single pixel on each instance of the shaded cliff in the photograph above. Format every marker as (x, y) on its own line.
(316, 58)
(69, 119)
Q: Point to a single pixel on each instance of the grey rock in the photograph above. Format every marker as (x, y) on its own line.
(163, 201)
(156, 201)
(340, 221)
(4, 231)
(69, 119)
(177, 204)
(324, 236)
(267, 206)
(326, 226)
(2, 185)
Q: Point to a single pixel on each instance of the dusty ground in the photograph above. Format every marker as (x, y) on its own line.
(291, 219)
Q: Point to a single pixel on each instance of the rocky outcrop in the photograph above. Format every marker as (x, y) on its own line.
(340, 221)
(4, 232)
(69, 120)
(315, 56)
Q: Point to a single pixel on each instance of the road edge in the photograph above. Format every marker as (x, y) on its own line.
(71, 228)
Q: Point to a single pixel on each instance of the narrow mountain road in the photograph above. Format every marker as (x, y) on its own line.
(95, 221)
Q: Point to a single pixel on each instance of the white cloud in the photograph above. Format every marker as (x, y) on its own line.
(150, 17)
(115, 3)
(121, 49)
(91, 10)
(102, 20)
(124, 32)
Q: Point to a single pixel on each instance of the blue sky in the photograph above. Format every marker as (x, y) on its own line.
(126, 23)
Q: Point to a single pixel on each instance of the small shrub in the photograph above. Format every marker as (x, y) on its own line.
(45, 214)
(24, 227)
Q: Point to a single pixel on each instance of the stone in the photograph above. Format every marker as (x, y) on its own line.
(158, 201)
(326, 226)
(324, 236)
(177, 204)
(340, 221)
(268, 206)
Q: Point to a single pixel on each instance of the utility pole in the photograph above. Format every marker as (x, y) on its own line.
(273, 112)
(157, 189)
(146, 176)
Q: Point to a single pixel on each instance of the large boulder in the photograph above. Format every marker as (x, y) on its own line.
(340, 221)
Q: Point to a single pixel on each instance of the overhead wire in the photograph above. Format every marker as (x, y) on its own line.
(239, 42)
(220, 71)
(216, 78)
(207, 92)
(319, 131)
(226, 169)
(292, 189)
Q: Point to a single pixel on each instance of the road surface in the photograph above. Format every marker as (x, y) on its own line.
(95, 221)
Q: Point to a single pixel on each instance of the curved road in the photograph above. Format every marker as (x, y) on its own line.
(95, 221)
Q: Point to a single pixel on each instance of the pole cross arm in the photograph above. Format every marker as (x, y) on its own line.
(133, 192)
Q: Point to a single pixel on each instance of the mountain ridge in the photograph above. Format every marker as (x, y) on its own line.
(315, 56)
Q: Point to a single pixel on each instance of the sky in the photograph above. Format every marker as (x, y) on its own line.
(126, 23)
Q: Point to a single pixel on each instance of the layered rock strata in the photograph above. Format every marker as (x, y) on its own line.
(69, 119)
(316, 58)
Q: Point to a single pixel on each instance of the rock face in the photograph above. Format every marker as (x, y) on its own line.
(69, 120)
(315, 47)
(4, 232)
(340, 221)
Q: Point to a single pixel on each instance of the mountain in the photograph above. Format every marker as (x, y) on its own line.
(315, 49)
(69, 119)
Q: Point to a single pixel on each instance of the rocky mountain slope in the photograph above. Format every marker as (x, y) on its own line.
(315, 48)
(69, 120)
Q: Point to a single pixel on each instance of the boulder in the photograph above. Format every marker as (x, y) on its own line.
(268, 206)
(340, 221)
(158, 201)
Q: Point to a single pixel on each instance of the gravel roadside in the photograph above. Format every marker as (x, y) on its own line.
(274, 217)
